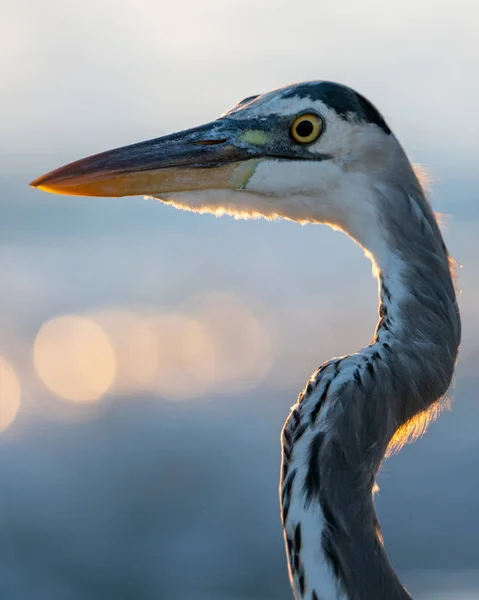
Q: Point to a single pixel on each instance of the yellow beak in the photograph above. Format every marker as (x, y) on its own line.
(201, 158)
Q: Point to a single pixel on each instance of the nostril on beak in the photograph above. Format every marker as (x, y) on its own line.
(209, 142)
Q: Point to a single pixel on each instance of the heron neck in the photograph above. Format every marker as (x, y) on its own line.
(354, 408)
(419, 327)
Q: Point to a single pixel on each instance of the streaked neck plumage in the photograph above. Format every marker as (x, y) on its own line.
(356, 408)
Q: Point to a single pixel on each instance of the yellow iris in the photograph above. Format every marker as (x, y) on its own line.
(306, 128)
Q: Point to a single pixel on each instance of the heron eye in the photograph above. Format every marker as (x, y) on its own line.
(306, 129)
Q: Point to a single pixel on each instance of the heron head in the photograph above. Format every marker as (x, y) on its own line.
(309, 152)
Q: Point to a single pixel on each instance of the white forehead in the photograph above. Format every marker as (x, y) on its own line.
(274, 103)
(344, 134)
(335, 102)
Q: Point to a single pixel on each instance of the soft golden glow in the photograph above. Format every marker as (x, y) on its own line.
(9, 394)
(185, 357)
(135, 347)
(306, 129)
(74, 358)
(213, 344)
(241, 345)
(413, 429)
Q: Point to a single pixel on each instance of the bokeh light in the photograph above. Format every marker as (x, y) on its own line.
(9, 394)
(212, 343)
(135, 345)
(241, 343)
(185, 357)
(74, 358)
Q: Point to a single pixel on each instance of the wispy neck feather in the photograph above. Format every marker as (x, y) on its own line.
(358, 408)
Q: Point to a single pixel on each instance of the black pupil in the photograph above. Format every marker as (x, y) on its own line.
(304, 128)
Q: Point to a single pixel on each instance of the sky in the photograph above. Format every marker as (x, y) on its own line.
(149, 357)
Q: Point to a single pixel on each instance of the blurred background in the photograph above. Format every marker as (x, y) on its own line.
(149, 357)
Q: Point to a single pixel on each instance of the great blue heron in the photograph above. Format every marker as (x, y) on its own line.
(320, 152)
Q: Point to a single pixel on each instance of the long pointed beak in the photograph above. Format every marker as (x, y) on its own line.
(205, 157)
